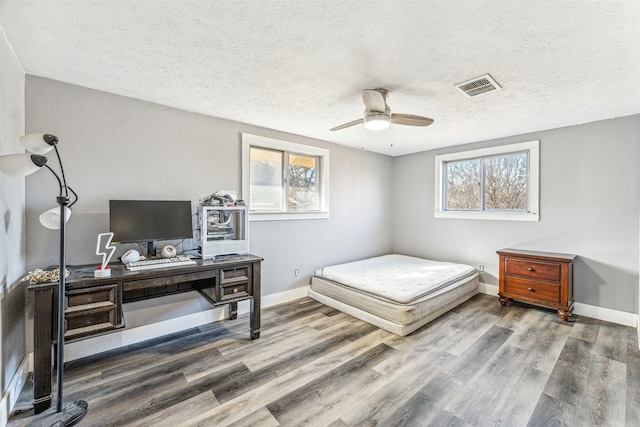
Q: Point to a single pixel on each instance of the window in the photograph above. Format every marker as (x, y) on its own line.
(283, 180)
(490, 183)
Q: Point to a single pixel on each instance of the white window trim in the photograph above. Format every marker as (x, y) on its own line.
(249, 140)
(533, 147)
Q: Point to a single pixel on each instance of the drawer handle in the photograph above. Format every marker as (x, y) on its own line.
(531, 289)
(235, 290)
(530, 268)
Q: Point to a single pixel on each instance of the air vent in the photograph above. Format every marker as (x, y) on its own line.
(478, 86)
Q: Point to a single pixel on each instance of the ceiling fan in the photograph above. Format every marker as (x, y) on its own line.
(378, 116)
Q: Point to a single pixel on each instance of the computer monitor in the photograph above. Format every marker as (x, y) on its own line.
(150, 221)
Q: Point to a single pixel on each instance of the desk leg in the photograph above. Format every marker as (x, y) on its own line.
(233, 310)
(43, 331)
(254, 320)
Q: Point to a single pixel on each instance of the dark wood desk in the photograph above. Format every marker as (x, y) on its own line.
(94, 305)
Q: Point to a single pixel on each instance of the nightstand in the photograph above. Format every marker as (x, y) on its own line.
(541, 278)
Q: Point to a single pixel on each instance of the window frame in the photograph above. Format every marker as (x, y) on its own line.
(248, 141)
(533, 183)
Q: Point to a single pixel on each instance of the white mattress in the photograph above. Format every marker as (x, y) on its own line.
(397, 279)
(430, 288)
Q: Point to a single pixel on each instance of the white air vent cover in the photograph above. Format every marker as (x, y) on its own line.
(478, 85)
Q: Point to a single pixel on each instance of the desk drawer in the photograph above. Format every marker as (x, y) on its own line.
(235, 282)
(239, 289)
(92, 295)
(532, 269)
(92, 310)
(228, 275)
(167, 280)
(94, 318)
(529, 289)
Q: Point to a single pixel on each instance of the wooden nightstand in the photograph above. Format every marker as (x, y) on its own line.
(541, 278)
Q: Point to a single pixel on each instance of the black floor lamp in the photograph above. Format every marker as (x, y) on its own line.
(20, 165)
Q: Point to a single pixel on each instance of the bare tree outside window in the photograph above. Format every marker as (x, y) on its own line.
(283, 180)
(488, 183)
(464, 185)
(270, 180)
(506, 181)
(303, 186)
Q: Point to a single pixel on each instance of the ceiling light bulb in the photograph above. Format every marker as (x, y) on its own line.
(377, 122)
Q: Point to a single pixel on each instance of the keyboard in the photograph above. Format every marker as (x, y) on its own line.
(149, 264)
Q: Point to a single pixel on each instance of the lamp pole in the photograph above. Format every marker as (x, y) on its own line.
(18, 165)
(63, 201)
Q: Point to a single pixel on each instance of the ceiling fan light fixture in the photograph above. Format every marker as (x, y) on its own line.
(377, 121)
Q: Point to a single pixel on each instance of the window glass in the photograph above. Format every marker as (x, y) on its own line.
(463, 185)
(506, 182)
(282, 180)
(496, 183)
(266, 192)
(303, 183)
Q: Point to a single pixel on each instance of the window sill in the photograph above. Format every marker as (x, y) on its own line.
(286, 216)
(494, 216)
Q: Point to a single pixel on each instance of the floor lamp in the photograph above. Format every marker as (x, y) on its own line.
(19, 165)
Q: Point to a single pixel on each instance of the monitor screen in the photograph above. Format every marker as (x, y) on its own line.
(150, 220)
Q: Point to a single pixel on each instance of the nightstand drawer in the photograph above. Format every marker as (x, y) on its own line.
(547, 292)
(532, 269)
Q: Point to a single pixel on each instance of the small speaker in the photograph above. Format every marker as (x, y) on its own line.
(130, 256)
(168, 251)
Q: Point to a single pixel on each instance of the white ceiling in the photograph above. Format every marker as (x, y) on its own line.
(299, 66)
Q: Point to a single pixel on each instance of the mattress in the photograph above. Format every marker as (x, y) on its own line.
(395, 292)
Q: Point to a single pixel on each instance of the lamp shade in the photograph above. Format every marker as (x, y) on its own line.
(51, 218)
(17, 165)
(38, 143)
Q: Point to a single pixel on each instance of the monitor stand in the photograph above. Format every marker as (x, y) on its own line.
(151, 249)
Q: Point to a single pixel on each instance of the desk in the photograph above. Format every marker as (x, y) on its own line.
(94, 305)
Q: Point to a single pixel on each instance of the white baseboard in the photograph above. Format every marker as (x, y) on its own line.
(608, 314)
(10, 396)
(99, 344)
(485, 288)
(593, 311)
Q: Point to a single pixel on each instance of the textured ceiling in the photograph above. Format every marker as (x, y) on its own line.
(299, 66)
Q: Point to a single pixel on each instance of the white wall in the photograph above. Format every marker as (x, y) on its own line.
(588, 203)
(12, 191)
(115, 147)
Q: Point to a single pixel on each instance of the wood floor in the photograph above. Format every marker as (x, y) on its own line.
(479, 365)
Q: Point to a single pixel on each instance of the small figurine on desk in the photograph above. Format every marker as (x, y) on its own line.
(103, 248)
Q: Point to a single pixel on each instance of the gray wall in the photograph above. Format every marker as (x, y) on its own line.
(12, 292)
(588, 204)
(115, 147)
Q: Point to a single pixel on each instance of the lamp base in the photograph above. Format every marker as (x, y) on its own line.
(71, 414)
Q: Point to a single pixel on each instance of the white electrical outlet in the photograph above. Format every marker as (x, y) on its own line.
(481, 268)
(296, 272)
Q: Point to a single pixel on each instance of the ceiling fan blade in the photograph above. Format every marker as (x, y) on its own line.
(374, 100)
(346, 125)
(410, 120)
